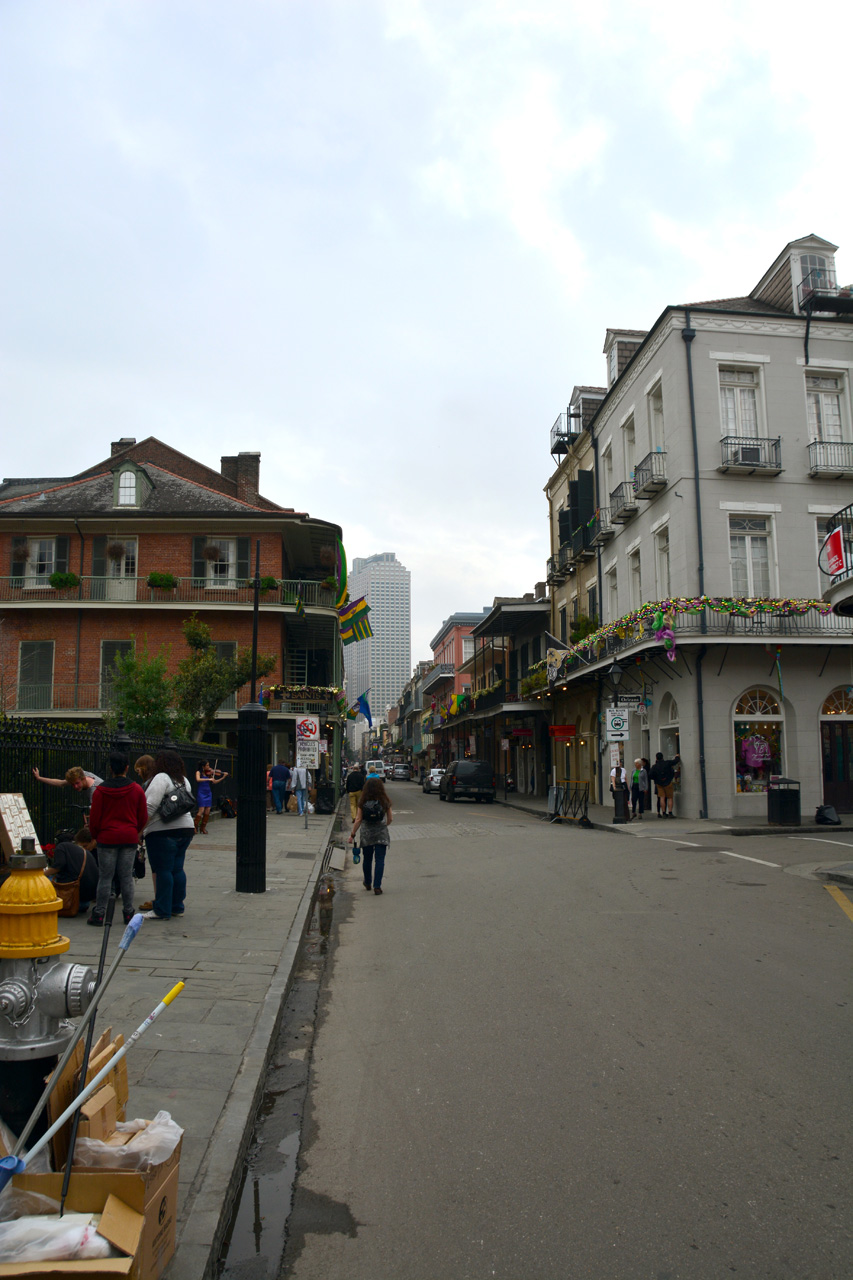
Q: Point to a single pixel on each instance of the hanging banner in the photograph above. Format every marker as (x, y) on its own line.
(831, 558)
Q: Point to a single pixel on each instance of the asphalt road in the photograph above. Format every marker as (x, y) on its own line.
(552, 1053)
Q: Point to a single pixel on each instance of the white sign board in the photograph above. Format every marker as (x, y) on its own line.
(617, 724)
(15, 822)
(308, 755)
(615, 757)
(324, 746)
(308, 729)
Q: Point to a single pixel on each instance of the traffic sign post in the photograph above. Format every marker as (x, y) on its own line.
(617, 724)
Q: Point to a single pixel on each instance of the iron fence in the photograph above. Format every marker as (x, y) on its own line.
(27, 744)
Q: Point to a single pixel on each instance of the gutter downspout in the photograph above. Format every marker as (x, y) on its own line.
(79, 617)
(688, 334)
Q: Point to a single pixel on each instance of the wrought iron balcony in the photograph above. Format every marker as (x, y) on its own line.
(440, 672)
(582, 548)
(749, 455)
(563, 433)
(623, 503)
(552, 574)
(650, 475)
(832, 460)
(819, 292)
(602, 531)
(29, 589)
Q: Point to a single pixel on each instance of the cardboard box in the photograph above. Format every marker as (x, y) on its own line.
(98, 1115)
(153, 1196)
(66, 1089)
(122, 1224)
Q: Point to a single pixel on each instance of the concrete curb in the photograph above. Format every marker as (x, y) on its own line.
(710, 825)
(209, 1209)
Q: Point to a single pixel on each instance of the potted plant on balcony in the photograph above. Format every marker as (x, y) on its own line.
(64, 581)
(162, 582)
(268, 583)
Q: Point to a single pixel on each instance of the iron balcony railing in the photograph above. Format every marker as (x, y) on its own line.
(602, 531)
(582, 548)
(97, 697)
(553, 567)
(650, 475)
(441, 671)
(563, 433)
(818, 284)
(751, 455)
(623, 502)
(29, 589)
(830, 458)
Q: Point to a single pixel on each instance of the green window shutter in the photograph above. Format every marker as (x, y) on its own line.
(61, 556)
(99, 568)
(565, 526)
(242, 559)
(35, 676)
(19, 563)
(199, 562)
(586, 497)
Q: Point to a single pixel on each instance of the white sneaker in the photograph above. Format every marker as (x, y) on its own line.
(152, 915)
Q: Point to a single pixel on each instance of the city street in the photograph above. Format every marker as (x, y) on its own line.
(548, 1052)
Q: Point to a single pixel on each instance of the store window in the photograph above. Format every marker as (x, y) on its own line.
(758, 728)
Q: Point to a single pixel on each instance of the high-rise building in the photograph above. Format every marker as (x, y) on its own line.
(382, 664)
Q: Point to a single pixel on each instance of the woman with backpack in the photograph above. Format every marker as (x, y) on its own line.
(373, 818)
(167, 839)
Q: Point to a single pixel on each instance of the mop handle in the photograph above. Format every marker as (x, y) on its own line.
(126, 939)
(16, 1164)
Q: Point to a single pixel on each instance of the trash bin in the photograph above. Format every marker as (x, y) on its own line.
(325, 802)
(783, 802)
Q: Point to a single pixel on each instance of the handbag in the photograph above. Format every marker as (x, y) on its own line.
(139, 863)
(176, 803)
(68, 892)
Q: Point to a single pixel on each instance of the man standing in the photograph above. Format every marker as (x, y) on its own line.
(280, 775)
(662, 774)
(300, 782)
(355, 782)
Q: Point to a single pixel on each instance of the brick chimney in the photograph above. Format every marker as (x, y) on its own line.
(540, 591)
(119, 446)
(248, 476)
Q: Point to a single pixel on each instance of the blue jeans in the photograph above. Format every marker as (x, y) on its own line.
(301, 794)
(279, 795)
(166, 852)
(367, 853)
(115, 859)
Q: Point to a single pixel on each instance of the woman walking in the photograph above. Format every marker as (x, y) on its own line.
(373, 818)
(167, 842)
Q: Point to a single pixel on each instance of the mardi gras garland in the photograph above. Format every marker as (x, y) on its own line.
(661, 615)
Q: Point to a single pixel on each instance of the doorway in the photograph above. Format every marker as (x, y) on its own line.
(836, 749)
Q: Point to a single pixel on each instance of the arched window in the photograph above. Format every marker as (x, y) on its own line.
(758, 728)
(839, 703)
(127, 489)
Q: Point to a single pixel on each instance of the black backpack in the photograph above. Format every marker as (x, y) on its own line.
(372, 811)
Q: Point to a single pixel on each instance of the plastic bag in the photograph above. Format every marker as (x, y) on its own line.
(310, 807)
(152, 1145)
(40, 1162)
(72, 1238)
(15, 1203)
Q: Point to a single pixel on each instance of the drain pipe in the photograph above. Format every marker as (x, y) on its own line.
(688, 334)
(600, 616)
(79, 618)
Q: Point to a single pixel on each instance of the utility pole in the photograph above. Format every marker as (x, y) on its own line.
(251, 772)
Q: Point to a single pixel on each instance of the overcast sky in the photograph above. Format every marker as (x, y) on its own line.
(380, 240)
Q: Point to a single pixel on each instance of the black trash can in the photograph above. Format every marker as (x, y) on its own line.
(783, 802)
(325, 798)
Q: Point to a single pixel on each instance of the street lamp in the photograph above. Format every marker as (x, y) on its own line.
(615, 675)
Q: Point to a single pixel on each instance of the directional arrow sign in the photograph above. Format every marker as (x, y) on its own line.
(617, 725)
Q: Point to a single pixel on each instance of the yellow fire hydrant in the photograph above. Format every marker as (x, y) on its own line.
(37, 992)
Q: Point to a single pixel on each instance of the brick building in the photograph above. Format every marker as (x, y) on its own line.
(76, 558)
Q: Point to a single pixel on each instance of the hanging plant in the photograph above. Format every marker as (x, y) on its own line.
(63, 581)
(212, 553)
(327, 557)
(20, 550)
(116, 550)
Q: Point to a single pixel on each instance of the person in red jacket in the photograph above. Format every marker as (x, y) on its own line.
(118, 818)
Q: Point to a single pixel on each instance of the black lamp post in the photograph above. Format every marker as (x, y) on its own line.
(251, 772)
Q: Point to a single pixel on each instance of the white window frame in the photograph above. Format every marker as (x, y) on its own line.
(635, 571)
(662, 544)
(769, 534)
(740, 432)
(127, 494)
(33, 579)
(612, 594)
(818, 436)
(655, 418)
(629, 445)
(222, 581)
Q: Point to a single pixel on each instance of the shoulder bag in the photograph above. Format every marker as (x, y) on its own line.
(69, 892)
(175, 803)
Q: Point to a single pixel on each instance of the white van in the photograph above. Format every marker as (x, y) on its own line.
(375, 769)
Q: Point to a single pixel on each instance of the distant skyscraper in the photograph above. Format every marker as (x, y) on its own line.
(382, 664)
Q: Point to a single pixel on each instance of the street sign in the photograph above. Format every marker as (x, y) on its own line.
(617, 724)
(307, 754)
(629, 699)
(308, 729)
(324, 746)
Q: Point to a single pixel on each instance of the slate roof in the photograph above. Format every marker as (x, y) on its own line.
(170, 495)
(752, 306)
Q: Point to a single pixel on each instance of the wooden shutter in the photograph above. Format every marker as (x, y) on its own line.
(199, 562)
(61, 554)
(19, 561)
(565, 525)
(243, 559)
(99, 568)
(586, 497)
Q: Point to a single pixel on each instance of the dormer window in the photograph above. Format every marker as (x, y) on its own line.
(127, 489)
(818, 271)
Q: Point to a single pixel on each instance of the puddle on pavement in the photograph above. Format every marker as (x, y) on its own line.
(256, 1235)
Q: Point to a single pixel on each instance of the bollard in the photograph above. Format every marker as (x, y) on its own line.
(620, 802)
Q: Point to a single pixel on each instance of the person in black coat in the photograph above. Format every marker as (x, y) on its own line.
(70, 857)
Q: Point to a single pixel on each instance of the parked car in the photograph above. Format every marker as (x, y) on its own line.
(432, 780)
(474, 779)
(400, 773)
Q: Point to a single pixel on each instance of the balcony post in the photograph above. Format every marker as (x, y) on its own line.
(251, 774)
